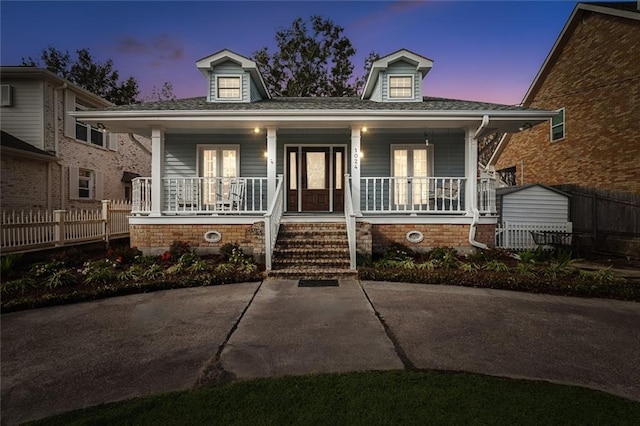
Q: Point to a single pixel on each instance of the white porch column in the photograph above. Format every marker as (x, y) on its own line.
(271, 164)
(471, 167)
(355, 169)
(157, 170)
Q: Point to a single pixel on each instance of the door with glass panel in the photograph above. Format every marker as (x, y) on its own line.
(411, 171)
(315, 179)
(218, 165)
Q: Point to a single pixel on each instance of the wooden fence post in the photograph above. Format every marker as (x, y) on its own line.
(106, 206)
(59, 216)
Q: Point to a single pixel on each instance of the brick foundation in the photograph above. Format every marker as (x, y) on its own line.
(156, 239)
(435, 235)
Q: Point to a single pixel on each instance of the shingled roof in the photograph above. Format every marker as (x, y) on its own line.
(317, 103)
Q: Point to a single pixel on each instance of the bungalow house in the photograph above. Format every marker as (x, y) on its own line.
(306, 183)
(591, 77)
(51, 160)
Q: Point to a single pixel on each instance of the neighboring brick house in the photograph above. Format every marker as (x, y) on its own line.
(50, 160)
(592, 78)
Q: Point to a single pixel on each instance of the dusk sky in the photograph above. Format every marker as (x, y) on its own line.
(485, 51)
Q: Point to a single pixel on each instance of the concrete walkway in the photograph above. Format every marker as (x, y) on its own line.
(68, 357)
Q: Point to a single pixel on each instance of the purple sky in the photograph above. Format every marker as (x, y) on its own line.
(485, 51)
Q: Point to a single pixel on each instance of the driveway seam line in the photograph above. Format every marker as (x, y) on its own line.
(213, 372)
(406, 362)
(235, 324)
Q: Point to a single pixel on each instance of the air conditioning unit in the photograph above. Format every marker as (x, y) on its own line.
(5, 98)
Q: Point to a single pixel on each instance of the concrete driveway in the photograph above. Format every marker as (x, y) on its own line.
(68, 357)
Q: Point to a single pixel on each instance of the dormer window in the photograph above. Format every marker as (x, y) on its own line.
(229, 87)
(401, 87)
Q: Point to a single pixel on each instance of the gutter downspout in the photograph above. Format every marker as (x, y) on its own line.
(56, 137)
(474, 202)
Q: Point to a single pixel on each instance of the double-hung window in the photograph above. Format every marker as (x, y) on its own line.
(401, 87)
(228, 87)
(88, 133)
(557, 126)
(85, 184)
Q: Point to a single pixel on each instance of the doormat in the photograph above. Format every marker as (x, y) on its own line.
(318, 283)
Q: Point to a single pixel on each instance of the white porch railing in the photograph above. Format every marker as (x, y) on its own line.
(21, 231)
(487, 196)
(200, 195)
(272, 222)
(412, 194)
(351, 221)
(517, 235)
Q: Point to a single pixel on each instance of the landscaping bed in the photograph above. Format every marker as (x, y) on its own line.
(534, 271)
(73, 275)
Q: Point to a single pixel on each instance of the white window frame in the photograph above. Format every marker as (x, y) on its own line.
(90, 128)
(412, 87)
(229, 98)
(411, 147)
(563, 123)
(90, 179)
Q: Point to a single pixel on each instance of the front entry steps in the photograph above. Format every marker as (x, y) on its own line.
(312, 251)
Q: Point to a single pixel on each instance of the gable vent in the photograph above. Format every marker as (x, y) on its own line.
(6, 95)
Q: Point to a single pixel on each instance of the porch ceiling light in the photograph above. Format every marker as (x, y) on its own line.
(101, 127)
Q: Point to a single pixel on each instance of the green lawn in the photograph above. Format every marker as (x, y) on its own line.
(398, 397)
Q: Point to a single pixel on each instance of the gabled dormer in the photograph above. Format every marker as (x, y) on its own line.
(232, 78)
(397, 77)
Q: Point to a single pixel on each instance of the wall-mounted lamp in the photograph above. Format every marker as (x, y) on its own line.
(426, 139)
(525, 126)
(361, 155)
(256, 130)
(266, 154)
(101, 127)
(364, 129)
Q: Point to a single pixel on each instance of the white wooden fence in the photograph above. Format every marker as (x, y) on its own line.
(23, 231)
(517, 235)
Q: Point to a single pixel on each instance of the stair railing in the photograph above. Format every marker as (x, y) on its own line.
(350, 220)
(272, 222)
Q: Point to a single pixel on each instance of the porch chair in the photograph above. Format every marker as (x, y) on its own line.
(448, 191)
(233, 200)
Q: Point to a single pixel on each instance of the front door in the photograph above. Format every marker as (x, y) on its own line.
(315, 179)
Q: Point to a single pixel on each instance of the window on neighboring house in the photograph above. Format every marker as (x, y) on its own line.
(400, 87)
(85, 184)
(228, 87)
(78, 130)
(88, 133)
(557, 126)
(411, 161)
(6, 97)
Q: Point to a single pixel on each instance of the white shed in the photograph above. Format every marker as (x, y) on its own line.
(530, 208)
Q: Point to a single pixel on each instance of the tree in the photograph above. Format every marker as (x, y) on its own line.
(165, 93)
(313, 59)
(86, 72)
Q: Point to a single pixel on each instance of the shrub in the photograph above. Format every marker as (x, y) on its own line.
(153, 272)
(60, 278)
(146, 260)
(19, 285)
(439, 253)
(496, 265)
(99, 272)
(124, 254)
(8, 263)
(228, 249)
(178, 248)
(132, 273)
